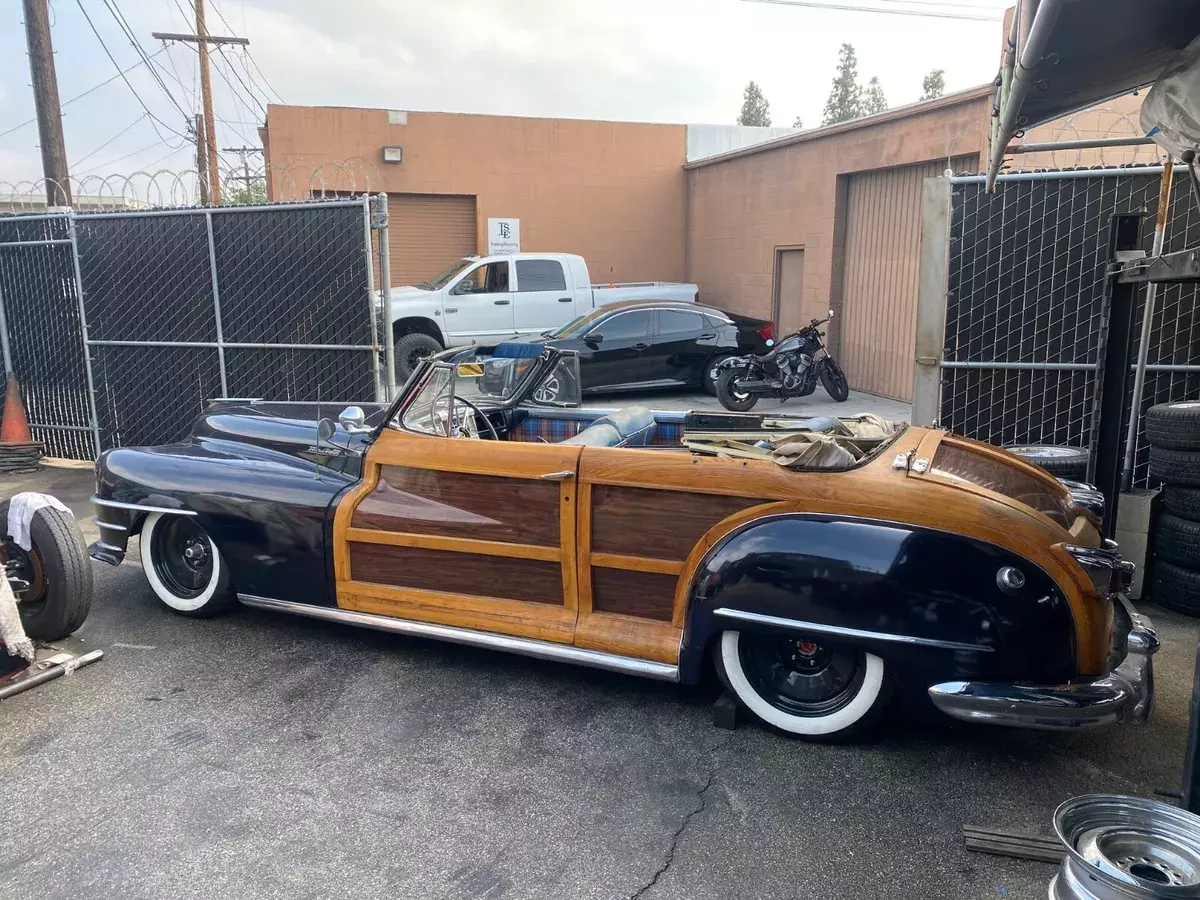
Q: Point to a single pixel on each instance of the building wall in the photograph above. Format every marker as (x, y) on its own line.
(611, 191)
(746, 204)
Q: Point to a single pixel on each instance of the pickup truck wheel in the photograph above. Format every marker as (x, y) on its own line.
(410, 350)
(57, 570)
(814, 691)
(184, 566)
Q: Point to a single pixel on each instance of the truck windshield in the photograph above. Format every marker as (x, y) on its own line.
(440, 281)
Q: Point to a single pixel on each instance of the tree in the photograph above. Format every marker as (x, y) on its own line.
(755, 108)
(845, 98)
(245, 195)
(799, 123)
(934, 85)
(874, 101)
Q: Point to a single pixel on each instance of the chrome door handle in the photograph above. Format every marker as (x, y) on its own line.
(557, 476)
(501, 302)
(564, 299)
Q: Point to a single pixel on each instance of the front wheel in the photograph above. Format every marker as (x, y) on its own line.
(833, 379)
(731, 398)
(410, 349)
(184, 566)
(815, 691)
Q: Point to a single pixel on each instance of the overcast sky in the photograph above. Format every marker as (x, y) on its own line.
(647, 60)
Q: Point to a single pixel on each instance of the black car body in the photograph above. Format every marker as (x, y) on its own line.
(642, 344)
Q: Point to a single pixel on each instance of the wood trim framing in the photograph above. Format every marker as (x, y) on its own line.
(454, 545)
(637, 563)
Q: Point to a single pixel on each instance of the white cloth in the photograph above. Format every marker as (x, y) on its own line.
(21, 508)
(11, 630)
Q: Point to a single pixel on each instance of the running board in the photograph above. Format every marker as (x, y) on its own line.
(538, 649)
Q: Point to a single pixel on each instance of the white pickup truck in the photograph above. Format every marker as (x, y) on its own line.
(491, 298)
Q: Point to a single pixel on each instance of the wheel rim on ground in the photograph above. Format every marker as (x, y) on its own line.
(183, 557)
(29, 567)
(801, 677)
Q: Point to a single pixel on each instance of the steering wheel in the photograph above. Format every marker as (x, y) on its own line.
(448, 401)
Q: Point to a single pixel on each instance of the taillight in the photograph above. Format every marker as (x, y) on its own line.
(767, 332)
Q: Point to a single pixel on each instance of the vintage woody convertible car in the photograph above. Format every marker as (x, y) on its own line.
(825, 565)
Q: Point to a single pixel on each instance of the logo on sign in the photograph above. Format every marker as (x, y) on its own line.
(504, 236)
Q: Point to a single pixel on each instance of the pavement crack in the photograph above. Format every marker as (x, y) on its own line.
(702, 798)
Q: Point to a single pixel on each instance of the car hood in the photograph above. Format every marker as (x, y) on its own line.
(289, 428)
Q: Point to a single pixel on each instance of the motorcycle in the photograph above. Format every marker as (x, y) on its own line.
(790, 368)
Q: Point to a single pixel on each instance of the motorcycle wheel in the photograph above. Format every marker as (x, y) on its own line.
(833, 379)
(731, 398)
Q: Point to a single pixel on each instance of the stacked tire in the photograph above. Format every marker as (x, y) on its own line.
(1059, 460)
(1173, 432)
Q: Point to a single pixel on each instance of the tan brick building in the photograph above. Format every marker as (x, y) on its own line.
(786, 229)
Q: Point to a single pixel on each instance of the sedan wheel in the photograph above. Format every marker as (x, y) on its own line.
(812, 690)
(183, 566)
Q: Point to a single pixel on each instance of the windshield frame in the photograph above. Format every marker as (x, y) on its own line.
(443, 278)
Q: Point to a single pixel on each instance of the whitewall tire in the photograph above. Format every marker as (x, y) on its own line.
(807, 689)
(184, 566)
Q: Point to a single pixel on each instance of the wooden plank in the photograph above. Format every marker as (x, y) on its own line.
(626, 636)
(583, 547)
(640, 595)
(454, 545)
(566, 530)
(637, 563)
(507, 459)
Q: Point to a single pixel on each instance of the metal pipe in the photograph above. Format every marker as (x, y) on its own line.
(232, 344)
(1060, 174)
(1006, 72)
(1139, 378)
(371, 298)
(525, 646)
(216, 290)
(62, 427)
(1035, 366)
(83, 330)
(1084, 144)
(385, 276)
(1030, 57)
(216, 210)
(54, 670)
(4, 347)
(44, 243)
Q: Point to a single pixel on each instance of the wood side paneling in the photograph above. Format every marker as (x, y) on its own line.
(644, 595)
(639, 638)
(531, 580)
(661, 524)
(454, 504)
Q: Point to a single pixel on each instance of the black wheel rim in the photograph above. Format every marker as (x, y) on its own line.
(28, 567)
(801, 677)
(182, 556)
(837, 380)
(414, 356)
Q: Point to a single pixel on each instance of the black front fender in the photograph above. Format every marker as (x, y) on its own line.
(928, 601)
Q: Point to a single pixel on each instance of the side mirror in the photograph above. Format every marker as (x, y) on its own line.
(325, 430)
(352, 418)
(594, 337)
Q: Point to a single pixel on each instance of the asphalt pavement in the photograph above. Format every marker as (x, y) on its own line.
(262, 756)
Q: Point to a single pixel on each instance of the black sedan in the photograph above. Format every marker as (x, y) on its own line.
(645, 344)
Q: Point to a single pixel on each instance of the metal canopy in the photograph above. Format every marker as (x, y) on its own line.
(1072, 54)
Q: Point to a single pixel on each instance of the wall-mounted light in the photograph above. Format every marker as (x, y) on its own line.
(393, 154)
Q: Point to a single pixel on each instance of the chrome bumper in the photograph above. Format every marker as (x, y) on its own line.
(1125, 694)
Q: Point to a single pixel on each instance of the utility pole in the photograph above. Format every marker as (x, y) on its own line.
(245, 177)
(202, 39)
(201, 159)
(45, 98)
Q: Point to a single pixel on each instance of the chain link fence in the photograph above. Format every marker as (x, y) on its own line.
(1025, 305)
(121, 325)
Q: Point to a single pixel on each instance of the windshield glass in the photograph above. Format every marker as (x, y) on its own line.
(440, 281)
(580, 324)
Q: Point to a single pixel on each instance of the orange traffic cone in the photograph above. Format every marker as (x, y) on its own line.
(15, 427)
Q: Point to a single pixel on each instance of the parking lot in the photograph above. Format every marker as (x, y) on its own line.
(262, 756)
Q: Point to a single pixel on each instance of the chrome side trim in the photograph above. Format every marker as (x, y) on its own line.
(117, 504)
(524, 646)
(100, 523)
(109, 547)
(741, 615)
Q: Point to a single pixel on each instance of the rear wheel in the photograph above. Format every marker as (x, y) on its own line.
(833, 379)
(711, 375)
(811, 690)
(57, 570)
(184, 566)
(731, 398)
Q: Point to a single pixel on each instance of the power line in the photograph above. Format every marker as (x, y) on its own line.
(97, 87)
(819, 4)
(128, 84)
(249, 93)
(119, 17)
(246, 55)
(109, 141)
(127, 155)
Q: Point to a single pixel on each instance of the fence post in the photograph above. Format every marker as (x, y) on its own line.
(1104, 464)
(212, 268)
(374, 320)
(385, 275)
(4, 347)
(83, 330)
(931, 300)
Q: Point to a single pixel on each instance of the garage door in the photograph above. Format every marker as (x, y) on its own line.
(879, 288)
(427, 232)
